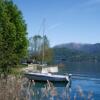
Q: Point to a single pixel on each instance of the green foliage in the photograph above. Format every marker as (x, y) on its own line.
(38, 45)
(48, 56)
(68, 55)
(35, 43)
(13, 40)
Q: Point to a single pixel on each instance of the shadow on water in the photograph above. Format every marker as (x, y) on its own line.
(49, 91)
(61, 91)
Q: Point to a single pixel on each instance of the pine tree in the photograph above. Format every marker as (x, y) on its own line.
(13, 36)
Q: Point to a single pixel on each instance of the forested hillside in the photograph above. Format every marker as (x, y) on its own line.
(77, 53)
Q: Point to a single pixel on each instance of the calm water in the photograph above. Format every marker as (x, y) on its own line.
(85, 84)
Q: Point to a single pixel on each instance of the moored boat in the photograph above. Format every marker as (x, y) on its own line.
(47, 76)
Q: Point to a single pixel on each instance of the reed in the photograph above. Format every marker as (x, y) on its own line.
(18, 88)
(13, 88)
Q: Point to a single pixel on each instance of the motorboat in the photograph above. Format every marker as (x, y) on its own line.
(47, 77)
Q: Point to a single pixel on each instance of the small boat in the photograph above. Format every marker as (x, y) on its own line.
(44, 75)
(49, 69)
(47, 77)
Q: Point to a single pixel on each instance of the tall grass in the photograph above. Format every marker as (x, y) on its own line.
(13, 88)
(18, 88)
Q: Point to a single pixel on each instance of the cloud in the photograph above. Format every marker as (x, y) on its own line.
(86, 5)
(54, 26)
(91, 3)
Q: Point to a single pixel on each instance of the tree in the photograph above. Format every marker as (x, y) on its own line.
(39, 47)
(35, 43)
(45, 42)
(13, 36)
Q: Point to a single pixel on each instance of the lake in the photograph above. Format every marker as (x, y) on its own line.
(85, 84)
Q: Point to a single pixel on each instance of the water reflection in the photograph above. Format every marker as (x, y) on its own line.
(85, 84)
(80, 89)
(49, 91)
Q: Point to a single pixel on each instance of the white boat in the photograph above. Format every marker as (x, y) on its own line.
(45, 71)
(50, 69)
(47, 77)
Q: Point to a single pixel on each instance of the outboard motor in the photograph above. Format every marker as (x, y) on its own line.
(70, 80)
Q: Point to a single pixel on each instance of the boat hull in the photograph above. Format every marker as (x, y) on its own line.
(44, 77)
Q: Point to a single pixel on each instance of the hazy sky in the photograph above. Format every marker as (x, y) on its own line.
(66, 20)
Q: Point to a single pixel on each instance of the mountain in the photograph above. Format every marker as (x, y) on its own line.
(76, 52)
(88, 48)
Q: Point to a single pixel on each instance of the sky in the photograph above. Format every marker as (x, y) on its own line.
(65, 20)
